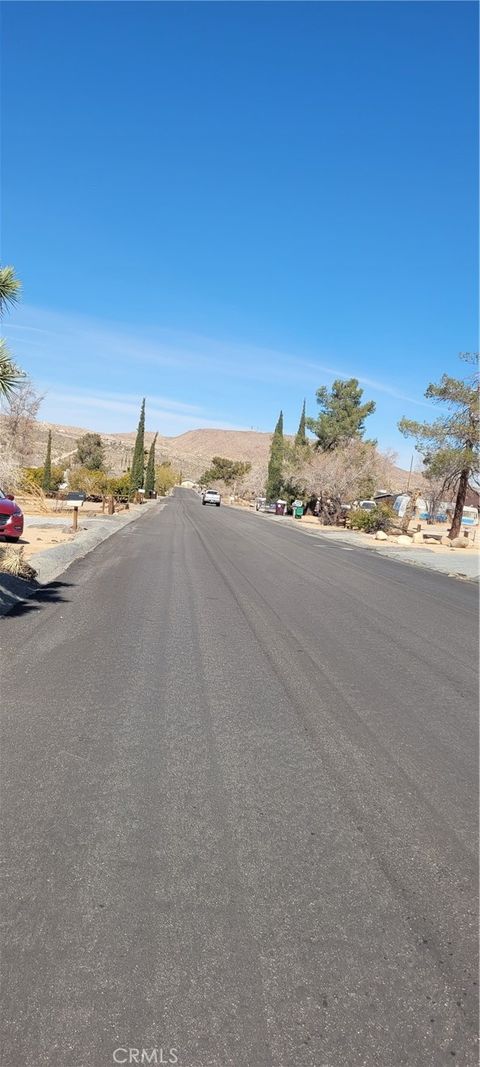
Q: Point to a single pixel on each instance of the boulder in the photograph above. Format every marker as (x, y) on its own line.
(381, 535)
(417, 539)
(404, 540)
(460, 542)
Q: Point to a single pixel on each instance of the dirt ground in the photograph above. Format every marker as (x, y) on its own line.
(39, 538)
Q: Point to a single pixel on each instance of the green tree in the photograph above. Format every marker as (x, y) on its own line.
(150, 471)
(275, 462)
(90, 451)
(225, 470)
(300, 436)
(342, 415)
(138, 461)
(450, 445)
(11, 377)
(47, 466)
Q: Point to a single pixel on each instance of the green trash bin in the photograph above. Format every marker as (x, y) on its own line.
(299, 511)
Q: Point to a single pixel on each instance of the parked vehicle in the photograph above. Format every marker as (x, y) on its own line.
(443, 513)
(11, 517)
(470, 517)
(211, 496)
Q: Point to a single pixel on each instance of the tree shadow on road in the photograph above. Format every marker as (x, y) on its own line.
(39, 597)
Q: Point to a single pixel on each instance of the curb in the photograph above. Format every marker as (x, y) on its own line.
(53, 562)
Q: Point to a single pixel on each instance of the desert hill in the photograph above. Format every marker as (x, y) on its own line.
(190, 452)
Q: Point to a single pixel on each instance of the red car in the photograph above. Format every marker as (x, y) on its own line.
(11, 518)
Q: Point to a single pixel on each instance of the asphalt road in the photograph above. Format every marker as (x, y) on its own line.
(239, 804)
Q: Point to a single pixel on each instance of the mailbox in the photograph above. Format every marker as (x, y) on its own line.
(75, 500)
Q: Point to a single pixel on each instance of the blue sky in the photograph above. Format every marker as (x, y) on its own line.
(223, 206)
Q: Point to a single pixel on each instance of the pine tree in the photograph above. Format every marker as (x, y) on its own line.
(90, 451)
(342, 415)
(451, 445)
(150, 471)
(300, 436)
(137, 469)
(47, 466)
(275, 463)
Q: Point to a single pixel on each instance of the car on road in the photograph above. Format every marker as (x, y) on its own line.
(11, 517)
(211, 496)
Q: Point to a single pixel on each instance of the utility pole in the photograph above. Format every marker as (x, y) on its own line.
(410, 473)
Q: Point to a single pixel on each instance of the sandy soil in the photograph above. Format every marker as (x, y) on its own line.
(38, 538)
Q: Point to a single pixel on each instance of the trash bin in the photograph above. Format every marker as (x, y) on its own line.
(298, 511)
(280, 507)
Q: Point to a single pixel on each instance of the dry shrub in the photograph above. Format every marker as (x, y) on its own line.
(253, 482)
(12, 562)
(344, 473)
(36, 499)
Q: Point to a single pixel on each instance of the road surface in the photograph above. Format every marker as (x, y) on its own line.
(239, 804)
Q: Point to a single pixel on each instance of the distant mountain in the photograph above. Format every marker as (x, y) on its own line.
(190, 452)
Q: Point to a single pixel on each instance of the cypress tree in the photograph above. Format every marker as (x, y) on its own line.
(136, 472)
(300, 436)
(47, 466)
(275, 463)
(150, 471)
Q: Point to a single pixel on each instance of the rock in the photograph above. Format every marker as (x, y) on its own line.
(404, 540)
(460, 542)
(381, 535)
(417, 539)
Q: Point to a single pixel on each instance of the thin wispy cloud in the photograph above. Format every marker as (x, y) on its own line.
(170, 415)
(122, 401)
(68, 337)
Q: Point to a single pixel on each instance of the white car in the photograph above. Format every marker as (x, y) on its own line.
(211, 496)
